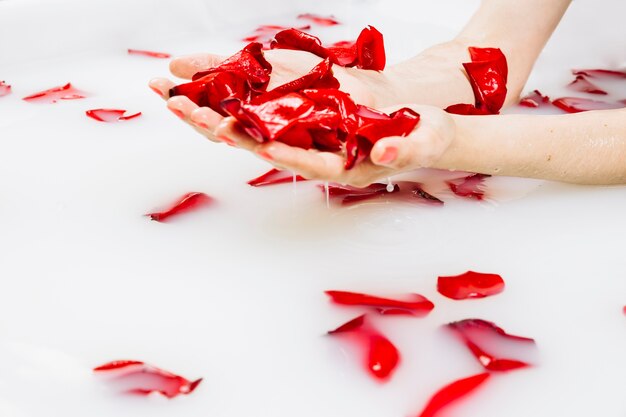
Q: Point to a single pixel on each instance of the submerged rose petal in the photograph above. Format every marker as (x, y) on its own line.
(480, 336)
(5, 89)
(470, 285)
(52, 95)
(188, 202)
(451, 393)
(136, 377)
(110, 115)
(577, 104)
(275, 176)
(151, 54)
(382, 357)
(583, 85)
(469, 186)
(600, 73)
(535, 99)
(319, 20)
(420, 306)
(467, 110)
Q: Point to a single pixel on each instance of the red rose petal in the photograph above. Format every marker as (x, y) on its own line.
(407, 191)
(249, 62)
(298, 40)
(212, 89)
(345, 53)
(481, 335)
(583, 85)
(52, 95)
(470, 285)
(135, 377)
(452, 392)
(469, 186)
(188, 202)
(319, 20)
(370, 50)
(382, 356)
(5, 89)
(110, 115)
(420, 306)
(274, 176)
(467, 110)
(487, 74)
(577, 104)
(535, 99)
(151, 54)
(264, 34)
(600, 73)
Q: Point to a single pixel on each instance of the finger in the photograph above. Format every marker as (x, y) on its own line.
(310, 164)
(206, 121)
(161, 86)
(229, 131)
(182, 107)
(187, 66)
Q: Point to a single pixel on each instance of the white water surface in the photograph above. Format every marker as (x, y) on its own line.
(234, 293)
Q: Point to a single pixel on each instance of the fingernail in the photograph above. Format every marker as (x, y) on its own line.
(265, 155)
(156, 90)
(389, 155)
(201, 124)
(177, 112)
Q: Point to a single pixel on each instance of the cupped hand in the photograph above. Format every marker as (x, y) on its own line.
(433, 77)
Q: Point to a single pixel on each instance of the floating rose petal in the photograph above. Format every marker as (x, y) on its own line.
(467, 110)
(481, 335)
(274, 176)
(420, 306)
(451, 393)
(382, 356)
(5, 89)
(624, 310)
(110, 115)
(188, 202)
(319, 20)
(470, 285)
(583, 85)
(469, 186)
(135, 377)
(600, 73)
(577, 104)
(535, 99)
(151, 54)
(407, 191)
(64, 92)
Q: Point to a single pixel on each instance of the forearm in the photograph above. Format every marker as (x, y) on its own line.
(584, 148)
(520, 28)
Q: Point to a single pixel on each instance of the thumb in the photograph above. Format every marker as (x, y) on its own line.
(186, 66)
(422, 147)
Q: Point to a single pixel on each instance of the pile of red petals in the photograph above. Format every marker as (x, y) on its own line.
(52, 95)
(418, 306)
(487, 74)
(406, 191)
(188, 202)
(5, 89)
(275, 176)
(382, 357)
(308, 112)
(135, 377)
(110, 115)
(151, 54)
(581, 84)
(470, 285)
(476, 334)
